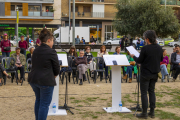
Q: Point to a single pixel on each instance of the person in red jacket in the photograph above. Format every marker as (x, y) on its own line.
(5, 46)
(23, 45)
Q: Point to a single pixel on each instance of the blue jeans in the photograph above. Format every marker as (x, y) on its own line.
(5, 54)
(163, 70)
(138, 46)
(106, 69)
(43, 99)
(129, 70)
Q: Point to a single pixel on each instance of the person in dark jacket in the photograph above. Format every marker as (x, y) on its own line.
(175, 60)
(45, 68)
(122, 43)
(150, 57)
(27, 40)
(90, 63)
(29, 55)
(81, 63)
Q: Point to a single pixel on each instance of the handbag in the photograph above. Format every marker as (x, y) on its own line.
(7, 48)
(132, 63)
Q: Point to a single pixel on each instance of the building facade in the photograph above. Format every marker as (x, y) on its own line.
(92, 13)
(33, 16)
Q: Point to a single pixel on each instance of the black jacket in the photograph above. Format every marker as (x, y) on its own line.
(28, 56)
(173, 61)
(45, 66)
(89, 57)
(150, 58)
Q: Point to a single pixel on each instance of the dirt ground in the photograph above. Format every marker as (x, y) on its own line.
(17, 102)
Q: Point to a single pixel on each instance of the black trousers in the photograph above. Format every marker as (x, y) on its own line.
(147, 84)
(177, 68)
(21, 71)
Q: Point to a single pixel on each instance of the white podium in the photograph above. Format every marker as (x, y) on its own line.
(55, 98)
(116, 81)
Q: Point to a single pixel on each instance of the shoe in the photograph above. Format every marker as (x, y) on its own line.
(130, 80)
(134, 76)
(164, 81)
(173, 80)
(9, 76)
(0, 84)
(20, 81)
(84, 77)
(143, 115)
(151, 113)
(125, 77)
(81, 83)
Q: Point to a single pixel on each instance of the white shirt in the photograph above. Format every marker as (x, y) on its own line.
(178, 58)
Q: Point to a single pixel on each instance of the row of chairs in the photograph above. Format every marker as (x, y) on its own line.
(74, 70)
(6, 62)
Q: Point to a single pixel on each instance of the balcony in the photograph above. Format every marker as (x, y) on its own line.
(31, 15)
(95, 1)
(29, 1)
(170, 2)
(91, 15)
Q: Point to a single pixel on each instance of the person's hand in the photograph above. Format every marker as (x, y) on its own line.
(55, 76)
(20, 65)
(16, 65)
(179, 63)
(132, 55)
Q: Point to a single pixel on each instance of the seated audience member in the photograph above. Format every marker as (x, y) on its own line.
(72, 52)
(100, 54)
(117, 52)
(175, 60)
(3, 71)
(91, 64)
(163, 65)
(130, 68)
(81, 63)
(29, 55)
(174, 50)
(20, 62)
(23, 45)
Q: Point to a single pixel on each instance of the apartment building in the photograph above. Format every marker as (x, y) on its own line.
(33, 16)
(100, 13)
(92, 13)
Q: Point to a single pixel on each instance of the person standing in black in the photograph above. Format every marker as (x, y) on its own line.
(122, 44)
(150, 57)
(45, 68)
(27, 40)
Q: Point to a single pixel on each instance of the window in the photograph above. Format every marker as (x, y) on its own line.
(19, 7)
(76, 8)
(86, 9)
(33, 8)
(12, 7)
(49, 8)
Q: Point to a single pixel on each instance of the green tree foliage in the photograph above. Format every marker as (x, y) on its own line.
(134, 17)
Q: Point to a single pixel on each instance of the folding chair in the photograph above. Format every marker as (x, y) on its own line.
(27, 67)
(10, 68)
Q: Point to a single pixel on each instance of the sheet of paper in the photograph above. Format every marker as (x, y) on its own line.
(63, 57)
(109, 60)
(132, 50)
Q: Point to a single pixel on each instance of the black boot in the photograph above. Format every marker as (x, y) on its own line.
(81, 83)
(84, 77)
(142, 115)
(151, 113)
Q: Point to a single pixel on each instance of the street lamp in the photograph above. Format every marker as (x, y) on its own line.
(17, 22)
(73, 37)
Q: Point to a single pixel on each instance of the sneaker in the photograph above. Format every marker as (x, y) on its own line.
(134, 76)
(0, 84)
(164, 81)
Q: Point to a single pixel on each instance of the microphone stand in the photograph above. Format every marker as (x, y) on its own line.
(137, 108)
(66, 107)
